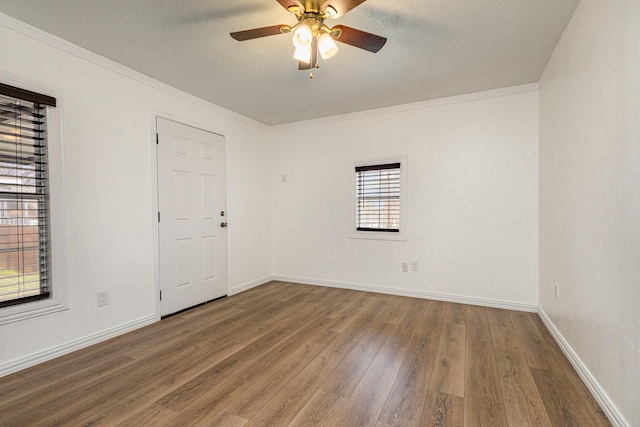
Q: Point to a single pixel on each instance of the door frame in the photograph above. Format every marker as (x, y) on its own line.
(153, 154)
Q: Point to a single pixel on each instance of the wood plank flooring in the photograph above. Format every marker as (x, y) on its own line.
(286, 354)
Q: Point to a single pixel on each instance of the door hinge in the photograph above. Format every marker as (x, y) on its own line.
(157, 139)
(160, 295)
(158, 216)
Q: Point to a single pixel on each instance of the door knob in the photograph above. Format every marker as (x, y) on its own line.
(223, 224)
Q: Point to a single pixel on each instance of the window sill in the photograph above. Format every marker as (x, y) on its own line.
(378, 235)
(28, 310)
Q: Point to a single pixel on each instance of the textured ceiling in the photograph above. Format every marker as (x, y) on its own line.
(435, 48)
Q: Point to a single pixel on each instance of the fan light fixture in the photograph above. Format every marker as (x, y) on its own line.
(303, 54)
(327, 46)
(303, 39)
(303, 36)
(311, 37)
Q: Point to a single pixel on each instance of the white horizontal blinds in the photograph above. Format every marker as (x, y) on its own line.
(378, 197)
(24, 204)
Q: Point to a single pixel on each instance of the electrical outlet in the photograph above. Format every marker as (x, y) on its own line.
(415, 265)
(103, 298)
(557, 291)
(405, 267)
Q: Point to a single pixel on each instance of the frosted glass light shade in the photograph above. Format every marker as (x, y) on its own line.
(303, 54)
(327, 46)
(302, 37)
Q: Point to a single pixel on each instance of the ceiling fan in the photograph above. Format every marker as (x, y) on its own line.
(311, 36)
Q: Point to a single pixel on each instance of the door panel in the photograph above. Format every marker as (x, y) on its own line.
(191, 199)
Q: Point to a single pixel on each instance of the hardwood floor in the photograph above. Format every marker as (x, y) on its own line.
(285, 354)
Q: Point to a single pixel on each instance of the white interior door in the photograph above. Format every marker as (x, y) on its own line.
(192, 235)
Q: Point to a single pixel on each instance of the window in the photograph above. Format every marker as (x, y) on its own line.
(378, 205)
(24, 196)
(378, 195)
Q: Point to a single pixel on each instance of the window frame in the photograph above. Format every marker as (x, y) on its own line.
(58, 298)
(354, 233)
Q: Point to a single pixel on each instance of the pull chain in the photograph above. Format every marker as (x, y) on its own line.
(317, 63)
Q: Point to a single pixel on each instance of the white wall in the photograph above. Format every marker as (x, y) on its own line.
(472, 208)
(472, 199)
(590, 197)
(106, 116)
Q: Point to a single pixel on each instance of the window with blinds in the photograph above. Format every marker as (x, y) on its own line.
(378, 197)
(24, 198)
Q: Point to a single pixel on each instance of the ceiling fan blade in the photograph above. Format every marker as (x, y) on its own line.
(288, 3)
(341, 6)
(361, 39)
(258, 32)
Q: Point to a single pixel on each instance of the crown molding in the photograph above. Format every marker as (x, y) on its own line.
(82, 53)
(564, 39)
(421, 105)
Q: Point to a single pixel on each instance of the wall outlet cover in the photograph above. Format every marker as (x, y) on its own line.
(103, 298)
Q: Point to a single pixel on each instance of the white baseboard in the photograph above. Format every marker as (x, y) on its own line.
(60, 350)
(77, 344)
(616, 418)
(485, 302)
(587, 377)
(249, 285)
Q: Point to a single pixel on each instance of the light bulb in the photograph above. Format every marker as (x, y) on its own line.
(302, 36)
(303, 54)
(327, 46)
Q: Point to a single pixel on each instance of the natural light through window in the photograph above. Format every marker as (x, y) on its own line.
(24, 251)
(378, 197)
